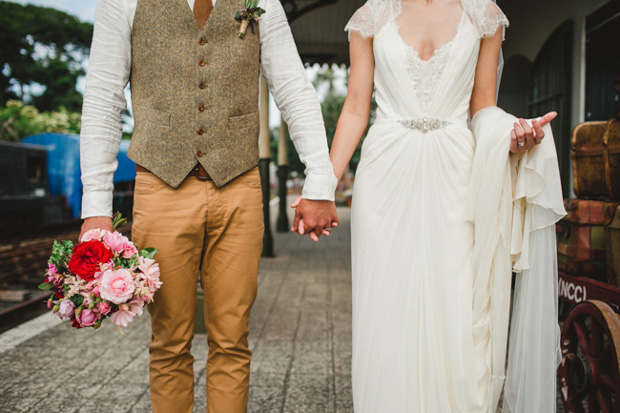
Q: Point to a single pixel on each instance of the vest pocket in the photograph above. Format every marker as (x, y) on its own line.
(243, 121)
(157, 116)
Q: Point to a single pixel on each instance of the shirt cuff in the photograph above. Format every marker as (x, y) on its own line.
(97, 204)
(320, 187)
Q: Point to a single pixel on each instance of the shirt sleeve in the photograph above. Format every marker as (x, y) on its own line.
(104, 101)
(297, 100)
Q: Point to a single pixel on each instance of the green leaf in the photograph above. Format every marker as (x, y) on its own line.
(132, 262)
(148, 253)
(77, 299)
(45, 286)
(118, 220)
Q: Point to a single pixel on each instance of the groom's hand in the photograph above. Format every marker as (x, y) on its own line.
(96, 222)
(314, 217)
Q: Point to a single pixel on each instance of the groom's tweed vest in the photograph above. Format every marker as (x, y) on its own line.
(194, 92)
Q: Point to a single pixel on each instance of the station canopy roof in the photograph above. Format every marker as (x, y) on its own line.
(318, 28)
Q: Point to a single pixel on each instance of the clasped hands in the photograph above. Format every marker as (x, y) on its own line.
(314, 217)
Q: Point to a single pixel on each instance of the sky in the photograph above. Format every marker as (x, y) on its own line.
(83, 9)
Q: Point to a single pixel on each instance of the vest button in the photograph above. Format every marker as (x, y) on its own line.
(199, 154)
(201, 108)
(200, 131)
(201, 63)
(202, 85)
(201, 42)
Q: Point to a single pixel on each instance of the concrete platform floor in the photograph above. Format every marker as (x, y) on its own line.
(300, 337)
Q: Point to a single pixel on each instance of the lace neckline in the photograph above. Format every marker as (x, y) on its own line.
(439, 51)
(425, 75)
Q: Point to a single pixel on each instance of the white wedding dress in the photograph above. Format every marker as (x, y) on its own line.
(421, 324)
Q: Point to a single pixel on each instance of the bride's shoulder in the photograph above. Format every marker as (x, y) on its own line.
(370, 18)
(485, 15)
(364, 12)
(362, 22)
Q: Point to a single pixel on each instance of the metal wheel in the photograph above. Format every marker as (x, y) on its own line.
(589, 373)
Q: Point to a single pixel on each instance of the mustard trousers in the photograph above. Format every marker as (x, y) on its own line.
(214, 233)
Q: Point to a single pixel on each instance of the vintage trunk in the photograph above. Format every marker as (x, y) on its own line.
(612, 163)
(596, 160)
(612, 244)
(581, 239)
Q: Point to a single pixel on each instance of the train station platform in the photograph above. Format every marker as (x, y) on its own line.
(300, 337)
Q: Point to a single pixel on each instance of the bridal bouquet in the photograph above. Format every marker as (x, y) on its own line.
(102, 276)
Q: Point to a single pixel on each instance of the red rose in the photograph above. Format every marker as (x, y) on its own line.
(87, 256)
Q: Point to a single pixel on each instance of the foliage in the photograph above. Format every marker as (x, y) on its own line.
(42, 50)
(18, 121)
(294, 164)
(61, 253)
(331, 106)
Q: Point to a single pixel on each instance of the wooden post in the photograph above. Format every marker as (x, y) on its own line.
(265, 158)
(282, 223)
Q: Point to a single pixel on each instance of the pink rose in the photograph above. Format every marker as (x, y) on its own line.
(103, 268)
(117, 286)
(135, 306)
(150, 271)
(93, 234)
(104, 308)
(130, 250)
(66, 309)
(123, 316)
(88, 318)
(115, 241)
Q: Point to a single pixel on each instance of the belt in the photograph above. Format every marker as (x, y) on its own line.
(424, 124)
(199, 172)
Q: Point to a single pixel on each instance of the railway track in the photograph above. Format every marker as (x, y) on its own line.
(23, 263)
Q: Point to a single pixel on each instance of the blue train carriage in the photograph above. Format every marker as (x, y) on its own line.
(44, 185)
(25, 197)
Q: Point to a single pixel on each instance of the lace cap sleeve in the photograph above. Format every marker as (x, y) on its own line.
(362, 22)
(486, 16)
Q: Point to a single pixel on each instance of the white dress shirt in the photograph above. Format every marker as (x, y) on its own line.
(104, 100)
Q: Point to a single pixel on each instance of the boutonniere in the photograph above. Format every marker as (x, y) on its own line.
(249, 15)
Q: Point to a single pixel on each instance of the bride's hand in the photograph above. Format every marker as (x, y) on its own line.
(524, 137)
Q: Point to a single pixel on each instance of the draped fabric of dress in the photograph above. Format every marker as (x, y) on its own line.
(422, 319)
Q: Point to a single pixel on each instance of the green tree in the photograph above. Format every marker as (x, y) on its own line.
(18, 121)
(41, 47)
(294, 164)
(331, 106)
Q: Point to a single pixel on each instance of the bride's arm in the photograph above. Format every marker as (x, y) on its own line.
(484, 92)
(485, 81)
(354, 116)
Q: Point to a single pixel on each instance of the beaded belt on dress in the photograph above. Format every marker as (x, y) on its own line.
(425, 124)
